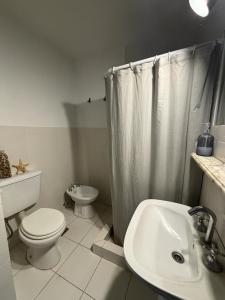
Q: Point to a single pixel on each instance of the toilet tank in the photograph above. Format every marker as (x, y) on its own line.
(20, 192)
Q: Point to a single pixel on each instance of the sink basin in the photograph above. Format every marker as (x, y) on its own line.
(157, 230)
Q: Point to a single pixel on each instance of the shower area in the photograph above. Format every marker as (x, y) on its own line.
(156, 109)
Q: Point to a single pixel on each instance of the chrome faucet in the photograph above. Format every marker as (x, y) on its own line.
(74, 186)
(211, 224)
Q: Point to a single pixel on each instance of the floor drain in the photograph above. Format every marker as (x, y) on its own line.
(178, 257)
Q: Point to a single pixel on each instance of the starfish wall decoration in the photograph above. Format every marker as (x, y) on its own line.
(20, 167)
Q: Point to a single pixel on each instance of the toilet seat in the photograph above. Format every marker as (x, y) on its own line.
(42, 224)
(35, 237)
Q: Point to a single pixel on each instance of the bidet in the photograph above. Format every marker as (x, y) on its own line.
(83, 196)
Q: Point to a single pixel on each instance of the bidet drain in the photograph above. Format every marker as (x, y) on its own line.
(178, 257)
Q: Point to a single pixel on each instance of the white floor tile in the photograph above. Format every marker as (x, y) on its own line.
(109, 282)
(69, 215)
(65, 247)
(30, 281)
(89, 238)
(77, 230)
(79, 267)
(92, 220)
(18, 258)
(138, 289)
(86, 297)
(58, 289)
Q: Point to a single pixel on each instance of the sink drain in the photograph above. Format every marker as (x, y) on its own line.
(178, 257)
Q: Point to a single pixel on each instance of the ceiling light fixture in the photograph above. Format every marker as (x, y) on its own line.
(202, 7)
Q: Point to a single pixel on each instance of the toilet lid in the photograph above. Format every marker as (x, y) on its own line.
(43, 222)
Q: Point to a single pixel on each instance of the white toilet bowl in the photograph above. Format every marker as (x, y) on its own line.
(83, 196)
(40, 231)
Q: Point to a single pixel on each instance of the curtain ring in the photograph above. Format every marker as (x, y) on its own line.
(113, 70)
(131, 66)
(193, 50)
(155, 60)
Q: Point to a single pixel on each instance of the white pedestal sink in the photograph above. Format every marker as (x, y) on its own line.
(159, 229)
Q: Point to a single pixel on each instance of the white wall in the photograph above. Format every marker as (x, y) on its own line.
(42, 95)
(89, 83)
(7, 291)
(211, 195)
(38, 85)
(35, 80)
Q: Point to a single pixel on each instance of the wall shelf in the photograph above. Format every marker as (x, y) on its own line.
(213, 168)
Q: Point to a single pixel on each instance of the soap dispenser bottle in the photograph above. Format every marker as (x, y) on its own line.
(205, 142)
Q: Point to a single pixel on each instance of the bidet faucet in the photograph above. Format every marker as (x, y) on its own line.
(212, 220)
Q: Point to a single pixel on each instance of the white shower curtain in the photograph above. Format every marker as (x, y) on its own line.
(155, 114)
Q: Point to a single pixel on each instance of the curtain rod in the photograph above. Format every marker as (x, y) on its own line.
(152, 59)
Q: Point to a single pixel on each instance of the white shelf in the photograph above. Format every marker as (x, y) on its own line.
(213, 168)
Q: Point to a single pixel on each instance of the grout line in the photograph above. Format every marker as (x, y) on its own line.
(128, 286)
(67, 258)
(92, 276)
(64, 261)
(89, 230)
(87, 295)
(78, 243)
(87, 233)
(71, 240)
(45, 285)
(71, 283)
(86, 248)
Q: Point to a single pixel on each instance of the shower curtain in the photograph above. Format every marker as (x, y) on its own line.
(155, 113)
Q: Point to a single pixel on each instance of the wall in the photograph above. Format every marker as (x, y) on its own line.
(219, 142)
(88, 120)
(6, 281)
(38, 81)
(35, 80)
(44, 115)
(89, 83)
(211, 195)
(47, 149)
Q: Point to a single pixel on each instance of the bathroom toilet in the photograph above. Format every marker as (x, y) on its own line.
(41, 229)
(83, 196)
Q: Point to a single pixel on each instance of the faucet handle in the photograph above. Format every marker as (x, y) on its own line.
(210, 259)
(212, 220)
(213, 249)
(216, 250)
(200, 223)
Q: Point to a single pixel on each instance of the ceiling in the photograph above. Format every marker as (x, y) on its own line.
(81, 27)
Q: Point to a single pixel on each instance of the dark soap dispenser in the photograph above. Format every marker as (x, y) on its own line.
(205, 142)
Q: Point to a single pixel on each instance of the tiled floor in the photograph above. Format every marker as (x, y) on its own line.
(80, 274)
